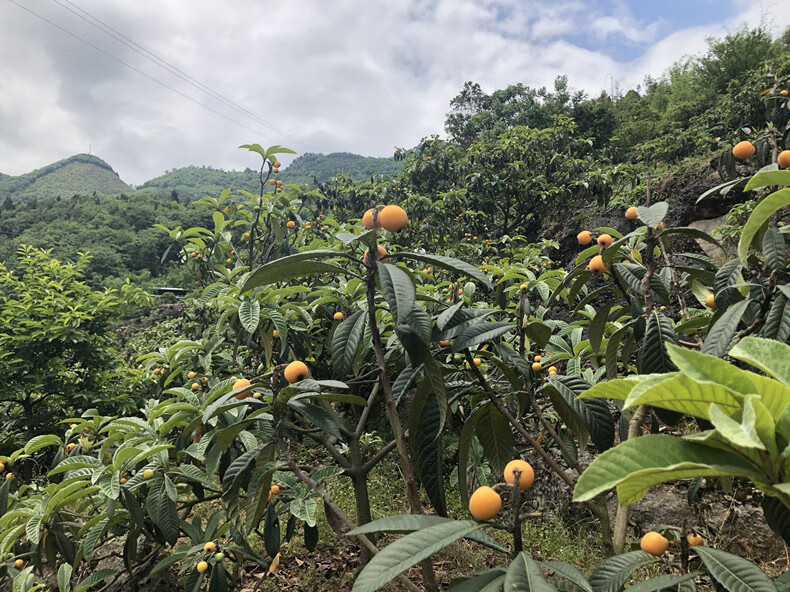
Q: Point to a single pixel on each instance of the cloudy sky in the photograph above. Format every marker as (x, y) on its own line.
(314, 75)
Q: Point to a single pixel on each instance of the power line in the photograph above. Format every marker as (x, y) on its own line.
(120, 61)
(164, 64)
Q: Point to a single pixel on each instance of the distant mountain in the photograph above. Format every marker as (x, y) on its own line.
(84, 174)
(194, 182)
(81, 174)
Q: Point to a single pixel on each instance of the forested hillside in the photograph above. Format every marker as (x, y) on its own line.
(82, 174)
(194, 182)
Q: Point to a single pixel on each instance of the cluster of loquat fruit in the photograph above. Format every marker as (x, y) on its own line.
(485, 502)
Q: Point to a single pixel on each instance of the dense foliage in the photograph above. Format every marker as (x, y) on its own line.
(414, 320)
(55, 357)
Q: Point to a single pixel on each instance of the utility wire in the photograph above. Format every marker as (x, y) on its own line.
(120, 61)
(162, 63)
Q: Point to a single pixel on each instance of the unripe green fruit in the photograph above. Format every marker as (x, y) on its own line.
(219, 556)
(147, 474)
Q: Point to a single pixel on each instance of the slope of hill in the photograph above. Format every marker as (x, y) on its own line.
(194, 182)
(81, 174)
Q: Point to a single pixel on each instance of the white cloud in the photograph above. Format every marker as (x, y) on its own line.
(340, 75)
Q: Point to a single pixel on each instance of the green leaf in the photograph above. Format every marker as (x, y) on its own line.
(653, 357)
(569, 572)
(768, 355)
(613, 349)
(773, 394)
(408, 551)
(496, 436)
(733, 432)
(720, 335)
(367, 237)
(317, 415)
(653, 215)
(683, 394)
(169, 560)
(293, 266)
(538, 332)
(90, 540)
(271, 531)
(64, 577)
(777, 516)
(478, 582)
(403, 382)
(238, 469)
(448, 263)
(426, 447)
(726, 276)
(32, 528)
(617, 389)
(464, 446)
(403, 523)
(594, 413)
(706, 368)
(598, 326)
(613, 573)
(250, 314)
(775, 250)
(219, 579)
(37, 443)
(480, 333)
(525, 575)
(304, 510)
(761, 214)
(734, 573)
(93, 579)
(310, 537)
(664, 583)
(768, 178)
(398, 290)
(637, 464)
(345, 342)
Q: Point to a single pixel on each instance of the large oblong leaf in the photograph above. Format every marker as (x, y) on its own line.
(726, 276)
(734, 573)
(292, 266)
(637, 464)
(569, 572)
(345, 342)
(404, 523)
(653, 215)
(410, 550)
(768, 355)
(250, 314)
(525, 575)
(665, 583)
(479, 582)
(480, 333)
(496, 435)
(764, 210)
(706, 368)
(774, 250)
(653, 357)
(448, 263)
(765, 178)
(425, 443)
(594, 413)
(721, 334)
(684, 395)
(613, 573)
(398, 290)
